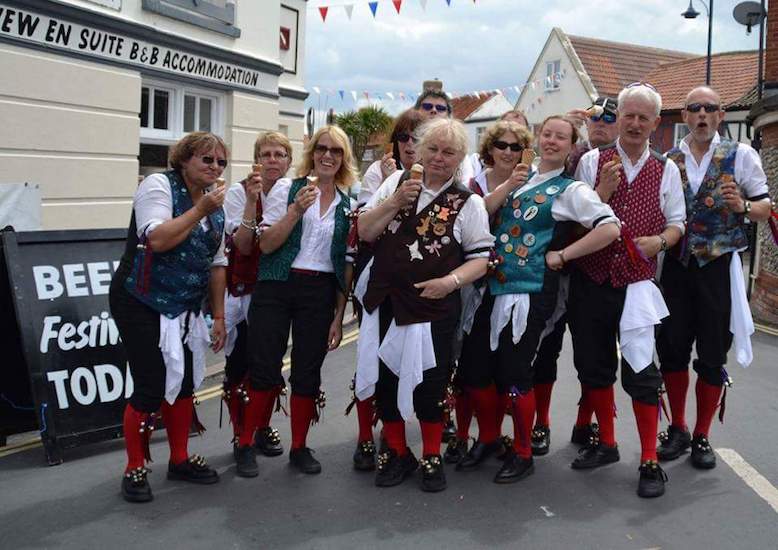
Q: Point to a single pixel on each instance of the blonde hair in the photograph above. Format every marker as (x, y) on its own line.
(495, 132)
(347, 173)
(272, 138)
(193, 144)
(446, 129)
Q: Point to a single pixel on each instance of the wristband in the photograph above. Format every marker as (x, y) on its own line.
(215, 317)
(457, 282)
(562, 256)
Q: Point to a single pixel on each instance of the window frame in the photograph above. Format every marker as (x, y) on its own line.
(551, 82)
(676, 137)
(200, 13)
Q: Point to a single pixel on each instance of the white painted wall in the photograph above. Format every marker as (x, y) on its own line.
(486, 115)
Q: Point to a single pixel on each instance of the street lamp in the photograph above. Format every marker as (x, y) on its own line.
(691, 13)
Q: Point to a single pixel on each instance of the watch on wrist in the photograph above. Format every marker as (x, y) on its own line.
(746, 207)
(663, 243)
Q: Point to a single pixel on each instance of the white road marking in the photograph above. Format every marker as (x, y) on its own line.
(549, 513)
(753, 479)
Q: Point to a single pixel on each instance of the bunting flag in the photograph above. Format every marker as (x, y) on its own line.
(373, 7)
(448, 2)
(423, 4)
(397, 4)
(341, 93)
(354, 95)
(317, 90)
(349, 10)
(323, 11)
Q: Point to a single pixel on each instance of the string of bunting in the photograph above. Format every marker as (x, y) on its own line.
(348, 7)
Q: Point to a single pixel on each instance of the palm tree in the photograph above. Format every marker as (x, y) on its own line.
(363, 124)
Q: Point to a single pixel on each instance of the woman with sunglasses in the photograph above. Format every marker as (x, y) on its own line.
(174, 259)
(500, 151)
(430, 237)
(304, 277)
(503, 333)
(243, 207)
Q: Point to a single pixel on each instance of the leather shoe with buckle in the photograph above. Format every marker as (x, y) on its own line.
(477, 454)
(303, 460)
(268, 442)
(541, 440)
(194, 470)
(135, 486)
(364, 456)
(514, 468)
(246, 462)
(433, 478)
(455, 451)
(594, 455)
(392, 469)
(673, 443)
(582, 434)
(652, 480)
(703, 456)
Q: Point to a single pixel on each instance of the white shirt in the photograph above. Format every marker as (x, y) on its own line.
(749, 174)
(371, 181)
(235, 204)
(153, 205)
(482, 182)
(671, 198)
(316, 239)
(471, 227)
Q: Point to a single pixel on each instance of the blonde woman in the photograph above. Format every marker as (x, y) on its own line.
(304, 277)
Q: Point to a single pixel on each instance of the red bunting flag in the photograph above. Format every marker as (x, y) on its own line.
(323, 11)
(397, 4)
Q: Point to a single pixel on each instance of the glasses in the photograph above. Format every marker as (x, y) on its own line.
(607, 118)
(708, 107)
(403, 138)
(273, 155)
(636, 84)
(437, 106)
(333, 151)
(502, 146)
(210, 160)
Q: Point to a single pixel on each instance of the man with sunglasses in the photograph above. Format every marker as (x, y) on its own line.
(724, 185)
(601, 130)
(613, 298)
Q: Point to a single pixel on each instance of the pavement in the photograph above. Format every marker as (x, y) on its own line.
(77, 504)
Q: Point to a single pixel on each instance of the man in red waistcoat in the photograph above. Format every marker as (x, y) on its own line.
(612, 294)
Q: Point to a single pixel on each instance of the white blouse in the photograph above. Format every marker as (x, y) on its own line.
(235, 204)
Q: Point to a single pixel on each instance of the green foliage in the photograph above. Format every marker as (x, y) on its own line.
(361, 125)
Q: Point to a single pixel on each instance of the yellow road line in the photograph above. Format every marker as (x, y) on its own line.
(766, 329)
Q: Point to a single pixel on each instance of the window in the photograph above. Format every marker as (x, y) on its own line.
(215, 15)
(155, 111)
(680, 131)
(553, 69)
(198, 113)
(479, 131)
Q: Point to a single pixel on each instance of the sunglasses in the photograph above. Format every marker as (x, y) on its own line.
(502, 146)
(403, 138)
(333, 151)
(437, 106)
(607, 118)
(210, 160)
(709, 107)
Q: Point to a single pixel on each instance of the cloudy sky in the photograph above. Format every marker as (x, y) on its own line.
(483, 45)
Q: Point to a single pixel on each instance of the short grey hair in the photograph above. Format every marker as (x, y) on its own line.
(450, 130)
(641, 91)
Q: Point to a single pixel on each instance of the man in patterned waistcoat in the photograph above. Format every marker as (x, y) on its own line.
(612, 293)
(725, 186)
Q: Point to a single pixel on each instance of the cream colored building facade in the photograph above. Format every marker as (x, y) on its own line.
(93, 92)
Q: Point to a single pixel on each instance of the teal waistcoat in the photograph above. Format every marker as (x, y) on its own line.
(276, 265)
(524, 229)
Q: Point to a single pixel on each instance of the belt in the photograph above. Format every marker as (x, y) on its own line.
(308, 272)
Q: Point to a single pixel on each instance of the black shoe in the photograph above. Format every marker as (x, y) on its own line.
(433, 478)
(246, 462)
(477, 454)
(364, 456)
(268, 442)
(582, 434)
(541, 440)
(507, 447)
(703, 456)
(673, 443)
(449, 432)
(455, 451)
(303, 460)
(594, 455)
(392, 469)
(194, 470)
(135, 486)
(514, 468)
(652, 480)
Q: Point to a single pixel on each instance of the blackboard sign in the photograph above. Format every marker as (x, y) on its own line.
(77, 369)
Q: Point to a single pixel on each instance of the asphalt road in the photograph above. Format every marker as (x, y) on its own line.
(77, 504)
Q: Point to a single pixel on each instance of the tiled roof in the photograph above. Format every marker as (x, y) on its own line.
(613, 65)
(465, 106)
(733, 76)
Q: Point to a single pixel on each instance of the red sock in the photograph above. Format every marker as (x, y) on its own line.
(303, 410)
(485, 404)
(585, 408)
(707, 402)
(502, 406)
(255, 412)
(431, 432)
(178, 420)
(132, 437)
(543, 403)
(677, 384)
(603, 403)
(523, 413)
(464, 413)
(394, 434)
(365, 418)
(647, 417)
(267, 412)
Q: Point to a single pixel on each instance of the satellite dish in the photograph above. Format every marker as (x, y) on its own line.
(749, 14)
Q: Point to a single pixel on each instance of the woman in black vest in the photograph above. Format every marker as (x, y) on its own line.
(243, 212)
(304, 275)
(431, 236)
(174, 259)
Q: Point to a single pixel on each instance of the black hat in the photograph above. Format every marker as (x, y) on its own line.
(608, 104)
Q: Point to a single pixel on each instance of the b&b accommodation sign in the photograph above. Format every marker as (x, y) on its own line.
(51, 32)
